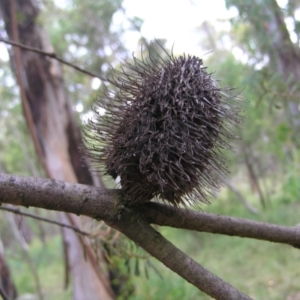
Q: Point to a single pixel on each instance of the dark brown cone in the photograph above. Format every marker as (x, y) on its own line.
(164, 130)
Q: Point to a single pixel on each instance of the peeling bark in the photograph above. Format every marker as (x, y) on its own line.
(52, 125)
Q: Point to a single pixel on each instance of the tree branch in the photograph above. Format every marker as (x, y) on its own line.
(52, 55)
(57, 195)
(134, 225)
(105, 204)
(239, 196)
(205, 222)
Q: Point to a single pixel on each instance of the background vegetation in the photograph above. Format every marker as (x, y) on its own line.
(264, 183)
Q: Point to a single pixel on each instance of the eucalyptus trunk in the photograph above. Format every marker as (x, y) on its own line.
(54, 131)
(272, 38)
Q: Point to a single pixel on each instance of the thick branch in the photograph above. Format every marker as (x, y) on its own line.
(103, 204)
(57, 195)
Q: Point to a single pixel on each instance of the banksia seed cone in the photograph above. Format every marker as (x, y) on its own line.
(163, 130)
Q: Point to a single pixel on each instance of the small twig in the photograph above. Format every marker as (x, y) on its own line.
(52, 55)
(19, 212)
(3, 294)
(280, 94)
(239, 196)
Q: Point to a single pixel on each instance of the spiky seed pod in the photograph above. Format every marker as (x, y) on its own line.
(165, 125)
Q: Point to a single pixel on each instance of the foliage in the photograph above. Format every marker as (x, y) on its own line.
(82, 32)
(51, 274)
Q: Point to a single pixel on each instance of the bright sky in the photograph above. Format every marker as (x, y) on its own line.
(175, 20)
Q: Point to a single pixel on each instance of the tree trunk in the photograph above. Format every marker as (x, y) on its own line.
(53, 128)
(273, 39)
(6, 282)
(282, 49)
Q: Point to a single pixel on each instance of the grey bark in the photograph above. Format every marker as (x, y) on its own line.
(106, 204)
